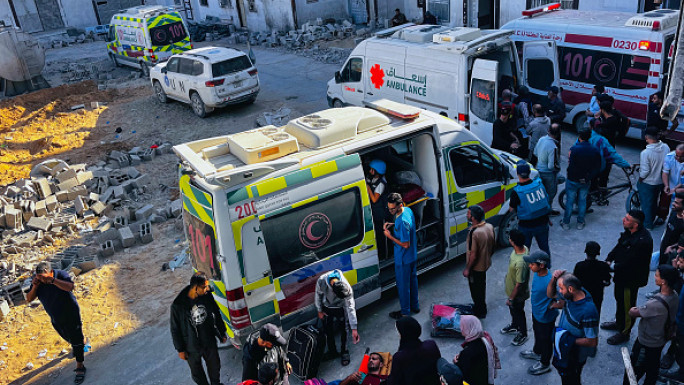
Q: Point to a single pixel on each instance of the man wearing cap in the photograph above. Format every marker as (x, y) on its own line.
(594, 274)
(530, 201)
(480, 243)
(543, 315)
(503, 131)
(195, 324)
(555, 106)
(650, 175)
(583, 165)
(335, 301)
(631, 258)
(54, 289)
(266, 346)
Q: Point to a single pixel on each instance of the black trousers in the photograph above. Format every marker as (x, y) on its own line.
(597, 297)
(518, 319)
(572, 375)
(543, 340)
(646, 361)
(477, 281)
(625, 299)
(70, 328)
(211, 358)
(335, 316)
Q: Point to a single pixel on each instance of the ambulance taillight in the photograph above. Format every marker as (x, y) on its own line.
(644, 45)
(237, 308)
(463, 119)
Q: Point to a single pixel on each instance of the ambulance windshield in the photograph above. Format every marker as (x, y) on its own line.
(168, 34)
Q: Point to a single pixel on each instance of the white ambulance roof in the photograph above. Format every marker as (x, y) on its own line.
(144, 11)
(600, 19)
(470, 40)
(215, 54)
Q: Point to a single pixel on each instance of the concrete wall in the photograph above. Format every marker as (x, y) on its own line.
(512, 9)
(77, 14)
(27, 13)
(386, 8)
(270, 15)
(6, 13)
(228, 12)
(336, 9)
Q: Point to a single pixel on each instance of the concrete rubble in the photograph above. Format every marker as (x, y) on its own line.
(103, 203)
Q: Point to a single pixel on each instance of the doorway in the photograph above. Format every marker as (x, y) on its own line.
(49, 14)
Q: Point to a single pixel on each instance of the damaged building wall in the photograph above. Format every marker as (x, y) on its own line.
(386, 8)
(225, 10)
(308, 10)
(27, 15)
(269, 15)
(6, 13)
(78, 15)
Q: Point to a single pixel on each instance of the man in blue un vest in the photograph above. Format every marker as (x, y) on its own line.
(530, 201)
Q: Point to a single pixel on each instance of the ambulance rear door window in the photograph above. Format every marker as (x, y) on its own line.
(482, 99)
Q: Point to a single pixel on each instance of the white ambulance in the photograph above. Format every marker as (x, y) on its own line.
(457, 72)
(267, 211)
(627, 53)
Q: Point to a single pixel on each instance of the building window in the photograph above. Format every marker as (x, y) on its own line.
(440, 9)
(252, 5)
(204, 3)
(225, 4)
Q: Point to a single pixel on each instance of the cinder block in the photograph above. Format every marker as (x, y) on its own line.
(126, 236)
(99, 208)
(135, 160)
(62, 195)
(120, 221)
(148, 154)
(107, 194)
(132, 172)
(13, 218)
(119, 192)
(176, 208)
(63, 220)
(146, 232)
(83, 177)
(143, 212)
(107, 248)
(80, 205)
(41, 208)
(116, 154)
(86, 263)
(65, 175)
(67, 184)
(93, 197)
(76, 191)
(42, 187)
(39, 223)
(141, 181)
(123, 161)
(51, 203)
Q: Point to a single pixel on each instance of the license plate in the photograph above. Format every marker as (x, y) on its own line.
(237, 84)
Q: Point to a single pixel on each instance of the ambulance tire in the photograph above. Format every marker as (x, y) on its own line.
(145, 68)
(114, 60)
(159, 91)
(337, 103)
(508, 223)
(198, 107)
(579, 121)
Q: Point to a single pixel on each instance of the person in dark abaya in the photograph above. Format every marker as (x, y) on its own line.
(416, 361)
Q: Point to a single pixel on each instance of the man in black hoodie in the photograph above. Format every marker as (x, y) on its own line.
(195, 324)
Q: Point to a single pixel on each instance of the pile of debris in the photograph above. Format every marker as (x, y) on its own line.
(102, 203)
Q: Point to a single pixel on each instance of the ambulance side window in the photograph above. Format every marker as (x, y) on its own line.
(172, 65)
(352, 71)
(314, 231)
(539, 73)
(473, 165)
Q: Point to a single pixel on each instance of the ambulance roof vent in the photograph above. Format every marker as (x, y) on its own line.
(657, 20)
(419, 33)
(457, 34)
(261, 145)
(334, 125)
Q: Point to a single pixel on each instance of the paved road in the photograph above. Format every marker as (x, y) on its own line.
(148, 357)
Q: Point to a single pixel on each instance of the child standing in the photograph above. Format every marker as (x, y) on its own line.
(594, 274)
(517, 288)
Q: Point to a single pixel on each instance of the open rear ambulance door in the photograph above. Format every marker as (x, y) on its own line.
(540, 66)
(295, 227)
(483, 98)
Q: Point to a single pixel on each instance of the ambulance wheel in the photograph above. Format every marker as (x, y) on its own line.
(159, 91)
(337, 103)
(579, 121)
(114, 60)
(198, 105)
(145, 69)
(508, 223)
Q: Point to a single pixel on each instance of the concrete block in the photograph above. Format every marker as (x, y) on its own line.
(51, 203)
(42, 187)
(141, 181)
(120, 221)
(176, 208)
(93, 197)
(128, 186)
(107, 194)
(65, 175)
(41, 208)
(83, 177)
(13, 218)
(117, 177)
(116, 154)
(39, 223)
(99, 208)
(63, 220)
(126, 236)
(143, 212)
(107, 235)
(132, 172)
(107, 248)
(86, 263)
(67, 184)
(4, 309)
(145, 232)
(77, 191)
(123, 161)
(62, 196)
(80, 205)
(119, 192)
(148, 154)
(135, 160)
(135, 150)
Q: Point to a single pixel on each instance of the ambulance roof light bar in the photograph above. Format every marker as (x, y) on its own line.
(398, 110)
(542, 9)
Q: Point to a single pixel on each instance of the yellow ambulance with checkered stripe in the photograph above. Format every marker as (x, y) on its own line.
(267, 211)
(143, 36)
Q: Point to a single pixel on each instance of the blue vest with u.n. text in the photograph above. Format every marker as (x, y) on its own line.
(533, 200)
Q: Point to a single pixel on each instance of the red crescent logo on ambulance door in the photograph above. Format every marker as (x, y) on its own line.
(315, 230)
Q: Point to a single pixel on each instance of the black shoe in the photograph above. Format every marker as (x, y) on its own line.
(617, 339)
(555, 213)
(480, 315)
(658, 222)
(509, 329)
(667, 361)
(415, 311)
(396, 314)
(331, 355)
(612, 325)
(589, 211)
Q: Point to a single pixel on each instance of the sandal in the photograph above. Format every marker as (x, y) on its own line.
(345, 358)
(80, 375)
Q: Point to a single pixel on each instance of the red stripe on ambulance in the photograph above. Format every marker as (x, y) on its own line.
(589, 40)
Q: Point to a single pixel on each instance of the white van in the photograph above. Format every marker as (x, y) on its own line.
(457, 72)
(627, 53)
(143, 36)
(268, 211)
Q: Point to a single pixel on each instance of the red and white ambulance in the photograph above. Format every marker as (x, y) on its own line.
(627, 53)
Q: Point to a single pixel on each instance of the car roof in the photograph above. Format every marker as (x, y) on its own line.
(213, 54)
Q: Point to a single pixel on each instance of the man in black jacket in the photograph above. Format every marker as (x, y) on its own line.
(195, 324)
(631, 257)
(266, 346)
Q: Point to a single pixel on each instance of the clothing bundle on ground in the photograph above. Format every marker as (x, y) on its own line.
(446, 318)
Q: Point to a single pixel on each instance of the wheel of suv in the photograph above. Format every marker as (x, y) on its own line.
(337, 103)
(159, 91)
(198, 105)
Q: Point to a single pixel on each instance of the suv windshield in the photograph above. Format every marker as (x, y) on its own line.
(168, 34)
(226, 67)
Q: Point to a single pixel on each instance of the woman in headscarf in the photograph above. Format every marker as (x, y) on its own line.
(416, 361)
(479, 358)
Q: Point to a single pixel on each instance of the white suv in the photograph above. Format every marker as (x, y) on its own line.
(207, 78)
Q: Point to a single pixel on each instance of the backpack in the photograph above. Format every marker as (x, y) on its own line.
(669, 325)
(624, 123)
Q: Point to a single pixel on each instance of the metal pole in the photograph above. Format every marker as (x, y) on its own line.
(628, 366)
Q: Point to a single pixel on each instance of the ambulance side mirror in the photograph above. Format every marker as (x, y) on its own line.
(338, 77)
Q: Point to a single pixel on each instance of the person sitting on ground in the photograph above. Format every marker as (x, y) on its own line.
(399, 18)
(479, 359)
(334, 299)
(266, 346)
(429, 18)
(375, 365)
(449, 374)
(594, 274)
(416, 361)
